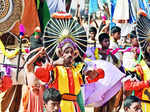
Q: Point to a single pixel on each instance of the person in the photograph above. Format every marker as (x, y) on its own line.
(141, 87)
(140, 83)
(91, 44)
(132, 104)
(52, 99)
(92, 35)
(35, 87)
(130, 55)
(115, 36)
(67, 78)
(104, 52)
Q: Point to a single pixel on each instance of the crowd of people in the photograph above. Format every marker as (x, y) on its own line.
(55, 85)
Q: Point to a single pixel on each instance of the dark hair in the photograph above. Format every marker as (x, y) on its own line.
(115, 29)
(129, 100)
(102, 36)
(133, 34)
(36, 43)
(101, 26)
(93, 29)
(51, 94)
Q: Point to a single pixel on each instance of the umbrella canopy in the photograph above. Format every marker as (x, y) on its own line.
(143, 31)
(10, 12)
(59, 28)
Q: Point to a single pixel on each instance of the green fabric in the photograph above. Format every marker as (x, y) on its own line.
(44, 14)
(140, 56)
(38, 4)
(133, 93)
(80, 102)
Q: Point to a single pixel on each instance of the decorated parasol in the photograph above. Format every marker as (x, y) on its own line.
(143, 30)
(60, 27)
(10, 12)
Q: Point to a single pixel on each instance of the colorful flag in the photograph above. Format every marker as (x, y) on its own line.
(44, 14)
(30, 19)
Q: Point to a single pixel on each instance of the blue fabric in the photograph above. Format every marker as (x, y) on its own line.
(132, 18)
(113, 5)
(141, 4)
(56, 5)
(148, 6)
(93, 6)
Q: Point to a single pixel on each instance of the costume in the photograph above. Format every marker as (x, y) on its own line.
(141, 87)
(63, 32)
(67, 81)
(109, 57)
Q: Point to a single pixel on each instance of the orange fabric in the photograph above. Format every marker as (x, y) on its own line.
(69, 97)
(30, 18)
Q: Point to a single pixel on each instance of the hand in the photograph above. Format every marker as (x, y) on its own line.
(41, 52)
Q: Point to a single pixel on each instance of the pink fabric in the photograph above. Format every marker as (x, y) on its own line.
(35, 102)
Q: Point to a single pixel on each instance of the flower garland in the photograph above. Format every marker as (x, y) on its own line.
(96, 53)
(8, 54)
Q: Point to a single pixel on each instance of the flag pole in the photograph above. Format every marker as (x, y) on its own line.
(89, 17)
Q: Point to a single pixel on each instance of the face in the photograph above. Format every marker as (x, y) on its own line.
(134, 42)
(36, 89)
(105, 43)
(68, 55)
(135, 107)
(92, 35)
(52, 106)
(116, 35)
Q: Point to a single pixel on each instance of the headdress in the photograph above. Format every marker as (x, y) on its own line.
(61, 29)
(143, 30)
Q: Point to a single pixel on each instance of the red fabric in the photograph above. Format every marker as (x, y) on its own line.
(134, 85)
(137, 86)
(55, 82)
(6, 83)
(43, 74)
(101, 74)
(77, 107)
(71, 81)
